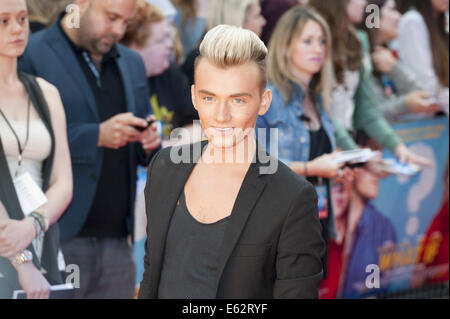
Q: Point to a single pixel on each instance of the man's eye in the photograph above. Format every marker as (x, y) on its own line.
(4, 21)
(238, 101)
(208, 99)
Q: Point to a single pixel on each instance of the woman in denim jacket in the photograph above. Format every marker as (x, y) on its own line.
(298, 65)
(297, 70)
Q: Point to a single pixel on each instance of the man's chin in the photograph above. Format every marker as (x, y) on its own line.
(103, 49)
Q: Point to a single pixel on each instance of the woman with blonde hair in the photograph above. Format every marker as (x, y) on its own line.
(298, 73)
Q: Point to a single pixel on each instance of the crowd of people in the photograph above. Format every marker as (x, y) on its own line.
(82, 107)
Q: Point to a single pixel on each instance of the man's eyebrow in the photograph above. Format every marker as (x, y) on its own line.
(206, 92)
(243, 94)
(5, 14)
(115, 14)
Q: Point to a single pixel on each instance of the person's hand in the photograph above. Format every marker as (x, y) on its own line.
(405, 155)
(375, 165)
(15, 236)
(118, 131)
(345, 175)
(383, 60)
(33, 282)
(325, 166)
(150, 138)
(417, 102)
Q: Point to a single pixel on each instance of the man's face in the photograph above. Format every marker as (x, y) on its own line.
(229, 101)
(366, 183)
(103, 23)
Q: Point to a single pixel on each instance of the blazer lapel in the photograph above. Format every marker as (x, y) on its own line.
(65, 53)
(251, 189)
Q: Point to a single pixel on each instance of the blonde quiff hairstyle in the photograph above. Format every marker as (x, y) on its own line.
(279, 73)
(225, 46)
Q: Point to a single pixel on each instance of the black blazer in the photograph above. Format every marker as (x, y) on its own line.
(273, 247)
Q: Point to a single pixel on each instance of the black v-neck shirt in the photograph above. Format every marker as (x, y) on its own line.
(189, 269)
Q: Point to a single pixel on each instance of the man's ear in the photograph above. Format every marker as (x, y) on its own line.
(265, 102)
(83, 5)
(193, 96)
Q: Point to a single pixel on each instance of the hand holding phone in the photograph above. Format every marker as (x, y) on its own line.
(142, 129)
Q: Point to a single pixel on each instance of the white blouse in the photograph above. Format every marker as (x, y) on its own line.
(343, 104)
(414, 47)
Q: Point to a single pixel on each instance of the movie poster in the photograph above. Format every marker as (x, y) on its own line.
(392, 229)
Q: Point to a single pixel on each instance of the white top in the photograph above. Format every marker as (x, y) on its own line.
(414, 47)
(343, 104)
(36, 151)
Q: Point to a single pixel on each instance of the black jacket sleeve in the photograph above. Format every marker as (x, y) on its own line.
(300, 250)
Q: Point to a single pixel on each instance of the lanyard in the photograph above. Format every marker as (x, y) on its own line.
(21, 149)
(93, 68)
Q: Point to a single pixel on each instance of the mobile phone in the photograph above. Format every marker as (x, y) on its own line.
(141, 129)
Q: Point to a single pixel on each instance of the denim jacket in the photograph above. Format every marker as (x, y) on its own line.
(293, 135)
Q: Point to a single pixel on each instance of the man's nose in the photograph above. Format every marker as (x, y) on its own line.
(223, 114)
(118, 29)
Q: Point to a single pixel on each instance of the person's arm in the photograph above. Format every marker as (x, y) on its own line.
(60, 191)
(403, 79)
(33, 282)
(368, 118)
(409, 96)
(300, 251)
(343, 138)
(391, 107)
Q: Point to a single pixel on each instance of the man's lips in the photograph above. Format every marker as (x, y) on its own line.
(19, 41)
(223, 130)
